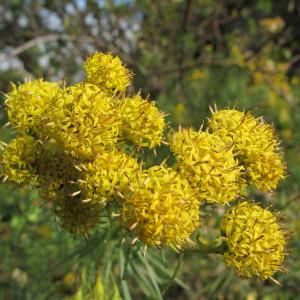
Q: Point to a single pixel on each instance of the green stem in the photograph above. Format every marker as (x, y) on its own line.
(217, 246)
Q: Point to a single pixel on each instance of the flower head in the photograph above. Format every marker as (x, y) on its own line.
(254, 239)
(256, 146)
(58, 183)
(57, 173)
(161, 208)
(83, 120)
(28, 103)
(245, 131)
(18, 161)
(107, 72)
(107, 176)
(78, 217)
(265, 169)
(208, 164)
(142, 123)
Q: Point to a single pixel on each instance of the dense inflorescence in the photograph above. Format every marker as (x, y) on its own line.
(255, 240)
(56, 170)
(160, 208)
(107, 72)
(83, 120)
(29, 103)
(18, 161)
(142, 122)
(77, 216)
(82, 147)
(107, 176)
(208, 164)
(255, 144)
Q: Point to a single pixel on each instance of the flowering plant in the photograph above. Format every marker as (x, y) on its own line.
(82, 147)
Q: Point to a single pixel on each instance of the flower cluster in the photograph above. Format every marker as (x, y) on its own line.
(71, 140)
(142, 123)
(107, 72)
(19, 159)
(160, 208)
(108, 176)
(236, 150)
(56, 170)
(78, 217)
(83, 120)
(80, 145)
(256, 146)
(255, 240)
(208, 164)
(28, 103)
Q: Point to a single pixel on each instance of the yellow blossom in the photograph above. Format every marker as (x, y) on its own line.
(209, 165)
(244, 130)
(73, 144)
(28, 103)
(265, 169)
(107, 176)
(18, 160)
(107, 72)
(256, 146)
(254, 239)
(83, 120)
(142, 123)
(161, 209)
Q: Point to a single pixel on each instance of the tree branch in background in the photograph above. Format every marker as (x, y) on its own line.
(30, 44)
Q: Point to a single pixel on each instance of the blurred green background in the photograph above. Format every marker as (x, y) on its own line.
(186, 55)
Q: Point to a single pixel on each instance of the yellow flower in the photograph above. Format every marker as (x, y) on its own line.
(107, 72)
(208, 164)
(161, 209)
(247, 132)
(107, 176)
(256, 146)
(18, 161)
(28, 103)
(254, 239)
(265, 169)
(83, 120)
(142, 123)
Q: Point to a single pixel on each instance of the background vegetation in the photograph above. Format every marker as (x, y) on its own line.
(186, 55)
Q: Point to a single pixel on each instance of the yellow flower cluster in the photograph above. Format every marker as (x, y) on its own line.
(235, 150)
(80, 146)
(107, 72)
(161, 209)
(254, 239)
(72, 140)
(107, 176)
(28, 104)
(255, 144)
(208, 164)
(18, 161)
(83, 120)
(142, 123)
